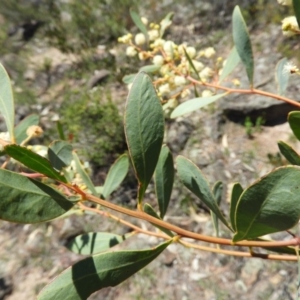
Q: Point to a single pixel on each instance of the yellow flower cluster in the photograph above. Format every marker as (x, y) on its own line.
(289, 25)
(175, 62)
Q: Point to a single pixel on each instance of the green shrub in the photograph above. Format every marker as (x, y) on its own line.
(95, 124)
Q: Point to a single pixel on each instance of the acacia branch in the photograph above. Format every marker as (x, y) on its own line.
(245, 91)
(189, 234)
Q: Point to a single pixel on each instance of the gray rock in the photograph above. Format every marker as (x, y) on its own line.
(178, 134)
(5, 287)
(98, 78)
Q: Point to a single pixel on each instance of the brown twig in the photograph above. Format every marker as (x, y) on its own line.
(185, 233)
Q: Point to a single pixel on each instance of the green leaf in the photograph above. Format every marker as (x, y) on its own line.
(283, 250)
(294, 121)
(194, 104)
(196, 92)
(97, 272)
(25, 200)
(138, 22)
(194, 180)
(116, 175)
(33, 161)
(296, 6)
(127, 79)
(21, 128)
(191, 63)
(148, 209)
(60, 154)
(164, 178)
(281, 77)
(144, 129)
(95, 242)
(150, 68)
(269, 205)
(236, 192)
(242, 42)
(289, 153)
(84, 176)
(60, 130)
(217, 191)
(231, 62)
(165, 23)
(7, 108)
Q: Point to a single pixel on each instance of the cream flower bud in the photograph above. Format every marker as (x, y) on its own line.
(206, 73)
(191, 51)
(209, 52)
(157, 43)
(153, 34)
(140, 39)
(158, 60)
(185, 93)
(169, 48)
(5, 139)
(130, 51)
(34, 131)
(285, 2)
(164, 70)
(164, 89)
(289, 26)
(179, 80)
(40, 150)
(5, 136)
(236, 82)
(198, 65)
(290, 68)
(125, 38)
(206, 93)
(144, 20)
(171, 104)
(142, 56)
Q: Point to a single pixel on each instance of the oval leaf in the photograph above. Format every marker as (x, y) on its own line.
(165, 23)
(25, 200)
(127, 79)
(236, 192)
(242, 42)
(150, 68)
(191, 63)
(7, 108)
(294, 121)
(138, 22)
(144, 129)
(194, 104)
(148, 209)
(97, 272)
(281, 77)
(84, 176)
(231, 62)
(95, 242)
(21, 128)
(289, 153)
(217, 191)
(194, 180)
(60, 154)
(33, 161)
(164, 178)
(60, 130)
(269, 205)
(116, 175)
